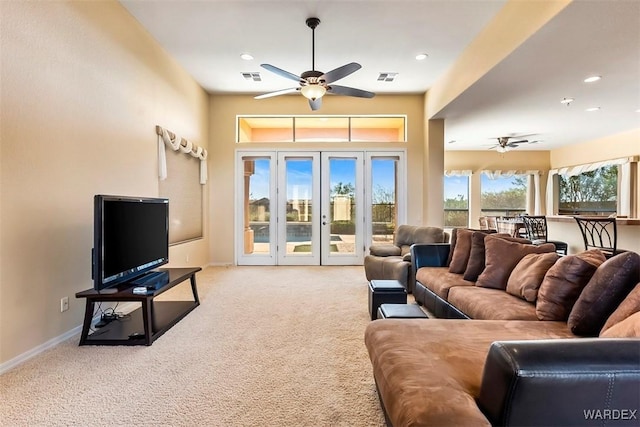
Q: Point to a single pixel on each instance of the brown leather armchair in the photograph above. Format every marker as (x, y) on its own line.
(393, 261)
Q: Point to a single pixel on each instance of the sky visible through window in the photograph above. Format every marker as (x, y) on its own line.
(456, 185)
(299, 174)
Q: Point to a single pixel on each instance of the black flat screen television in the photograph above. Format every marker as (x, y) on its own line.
(130, 238)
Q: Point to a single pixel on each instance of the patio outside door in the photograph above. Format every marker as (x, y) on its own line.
(315, 208)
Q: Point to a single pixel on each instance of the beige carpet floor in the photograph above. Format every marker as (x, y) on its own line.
(268, 346)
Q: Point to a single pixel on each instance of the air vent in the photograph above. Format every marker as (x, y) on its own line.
(387, 77)
(252, 76)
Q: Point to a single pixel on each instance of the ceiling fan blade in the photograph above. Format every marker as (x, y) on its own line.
(315, 104)
(277, 92)
(340, 72)
(350, 91)
(522, 141)
(281, 72)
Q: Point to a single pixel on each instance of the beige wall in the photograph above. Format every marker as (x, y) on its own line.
(83, 86)
(611, 147)
(223, 111)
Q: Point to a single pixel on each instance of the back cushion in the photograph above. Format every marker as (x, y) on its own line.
(502, 256)
(563, 283)
(452, 245)
(475, 266)
(527, 276)
(428, 235)
(610, 284)
(628, 328)
(461, 251)
(629, 306)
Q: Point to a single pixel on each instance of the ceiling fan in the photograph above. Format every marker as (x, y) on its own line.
(505, 145)
(314, 84)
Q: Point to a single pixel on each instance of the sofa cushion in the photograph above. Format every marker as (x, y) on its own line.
(475, 265)
(610, 284)
(629, 306)
(452, 244)
(628, 328)
(490, 304)
(461, 251)
(563, 283)
(527, 276)
(429, 376)
(501, 257)
(439, 280)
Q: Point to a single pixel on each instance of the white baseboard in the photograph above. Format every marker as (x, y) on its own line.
(10, 364)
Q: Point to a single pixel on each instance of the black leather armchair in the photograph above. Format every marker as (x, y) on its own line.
(562, 382)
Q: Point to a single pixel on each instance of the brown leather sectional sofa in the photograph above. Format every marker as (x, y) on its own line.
(536, 339)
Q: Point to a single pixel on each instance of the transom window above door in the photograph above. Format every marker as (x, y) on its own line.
(321, 129)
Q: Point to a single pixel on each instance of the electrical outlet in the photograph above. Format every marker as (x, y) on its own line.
(64, 304)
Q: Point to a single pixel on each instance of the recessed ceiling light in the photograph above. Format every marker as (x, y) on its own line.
(246, 56)
(592, 79)
(567, 101)
(421, 57)
(593, 109)
(638, 110)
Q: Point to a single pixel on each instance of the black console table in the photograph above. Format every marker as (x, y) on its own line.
(145, 324)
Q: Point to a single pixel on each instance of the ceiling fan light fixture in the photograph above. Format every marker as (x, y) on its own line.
(313, 91)
(501, 149)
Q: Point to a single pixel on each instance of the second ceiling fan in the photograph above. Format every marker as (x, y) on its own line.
(505, 145)
(315, 84)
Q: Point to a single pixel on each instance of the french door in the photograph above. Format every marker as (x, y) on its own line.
(312, 207)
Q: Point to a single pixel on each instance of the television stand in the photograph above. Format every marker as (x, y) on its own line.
(145, 324)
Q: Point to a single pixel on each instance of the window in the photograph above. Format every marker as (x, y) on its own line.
(321, 129)
(589, 193)
(456, 199)
(183, 189)
(601, 188)
(503, 194)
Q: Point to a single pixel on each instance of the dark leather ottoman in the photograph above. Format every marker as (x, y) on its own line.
(385, 291)
(401, 311)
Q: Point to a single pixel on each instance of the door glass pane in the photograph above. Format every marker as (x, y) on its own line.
(384, 198)
(257, 176)
(342, 178)
(299, 187)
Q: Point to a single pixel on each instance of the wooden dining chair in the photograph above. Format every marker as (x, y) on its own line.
(536, 231)
(483, 223)
(599, 233)
(492, 223)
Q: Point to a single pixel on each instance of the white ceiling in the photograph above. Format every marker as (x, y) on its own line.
(521, 95)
